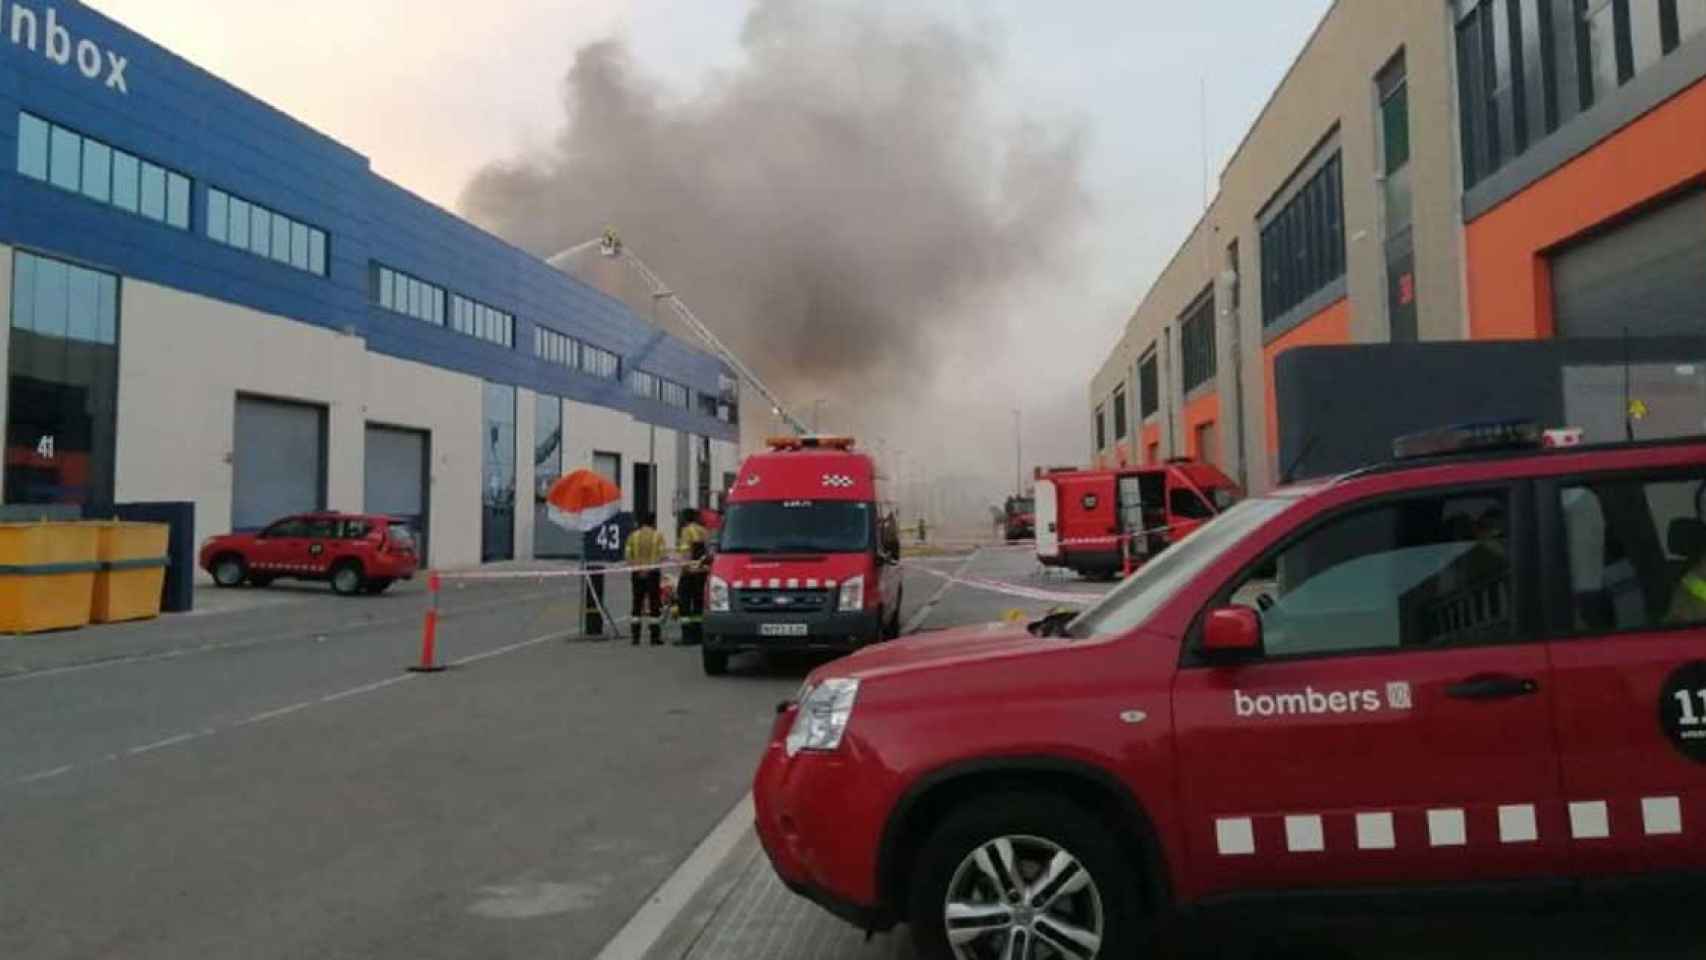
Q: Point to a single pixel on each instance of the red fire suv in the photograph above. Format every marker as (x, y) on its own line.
(1454, 670)
(355, 553)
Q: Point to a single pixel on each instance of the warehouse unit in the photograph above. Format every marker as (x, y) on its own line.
(211, 302)
(1427, 171)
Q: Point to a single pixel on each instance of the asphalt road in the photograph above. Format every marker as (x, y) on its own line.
(265, 780)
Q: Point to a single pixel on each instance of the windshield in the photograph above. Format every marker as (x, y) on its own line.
(797, 526)
(1134, 601)
(1022, 505)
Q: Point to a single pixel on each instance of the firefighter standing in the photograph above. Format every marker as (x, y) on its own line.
(691, 545)
(646, 549)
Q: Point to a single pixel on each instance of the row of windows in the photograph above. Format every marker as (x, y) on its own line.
(71, 161)
(478, 320)
(410, 296)
(600, 362)
(1196, 345)
(1303, 247)
(565, 351)
(1527, 67)
(675, 394)
(246, 225)
(58, 299)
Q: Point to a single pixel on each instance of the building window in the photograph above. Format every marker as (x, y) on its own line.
(643, 383)
(1196, 344)
(1148, 386)
(1120, 424)
(78, 164)
(1303, 246)
(674, 394)
(600, 363)
(63, 383)
(478, 320)
(553, 347)
(253, 228)
(1101, 429)
(1392, 86)
(401, 293)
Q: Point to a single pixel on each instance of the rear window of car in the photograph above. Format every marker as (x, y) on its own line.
(399, 535)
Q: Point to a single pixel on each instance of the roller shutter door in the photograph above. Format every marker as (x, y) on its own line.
(1647, 276)
(396, 476)
(278, 461)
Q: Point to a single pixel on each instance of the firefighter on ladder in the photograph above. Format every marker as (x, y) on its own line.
(692, 546)
(646, 549)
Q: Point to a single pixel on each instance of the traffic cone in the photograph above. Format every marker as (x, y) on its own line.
(429, 632)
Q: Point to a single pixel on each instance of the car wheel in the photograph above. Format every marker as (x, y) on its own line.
(377, 586)
(1024, 875)
(346, 578)
(229, 570)
(716, 662)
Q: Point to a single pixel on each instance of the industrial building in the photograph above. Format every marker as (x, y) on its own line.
(212, 302)
(1429, 170)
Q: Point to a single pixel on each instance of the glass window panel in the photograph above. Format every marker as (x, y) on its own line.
(260, 231)
(1600, 21)
(317, 252)
(280, 239)
(177, 200)
(53, 282)
(153, 191)
(438, 307)
(67, 160)
(107, 317)
(1566, 58)
(299, 246)
(239, 222)
(384, 283)
(126, 170)
(1690, 18)
(1536, 46)
(218, 210)
(1644, 38)
(414, 306)
(97, 171)
(32, 146)
(24, 291)
(83, 305)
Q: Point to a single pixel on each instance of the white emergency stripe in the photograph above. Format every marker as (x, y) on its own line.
(1447, 827)
(837, 480)
(294, 567)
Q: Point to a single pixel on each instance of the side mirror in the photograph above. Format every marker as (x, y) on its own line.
(1232, 633)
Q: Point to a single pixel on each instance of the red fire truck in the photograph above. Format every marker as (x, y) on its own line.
(1101, 522)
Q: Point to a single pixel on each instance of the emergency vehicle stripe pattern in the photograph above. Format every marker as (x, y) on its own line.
(837, 480)
(1448, 826)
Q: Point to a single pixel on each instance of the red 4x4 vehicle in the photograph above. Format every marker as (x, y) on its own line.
(1459, 670)
(356, 553)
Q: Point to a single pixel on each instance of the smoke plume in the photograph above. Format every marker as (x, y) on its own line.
(846, 207)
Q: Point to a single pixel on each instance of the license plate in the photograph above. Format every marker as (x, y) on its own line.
(781, 629)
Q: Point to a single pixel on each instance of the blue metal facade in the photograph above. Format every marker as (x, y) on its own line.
(180, 116)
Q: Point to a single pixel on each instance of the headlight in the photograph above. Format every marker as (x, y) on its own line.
(852, 594)
(719, 595)
(823, 715)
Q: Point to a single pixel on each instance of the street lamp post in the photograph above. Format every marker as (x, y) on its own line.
(1018, 454)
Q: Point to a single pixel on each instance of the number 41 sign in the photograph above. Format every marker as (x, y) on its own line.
(44, 447)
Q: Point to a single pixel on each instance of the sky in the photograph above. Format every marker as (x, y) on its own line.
(1139, 92)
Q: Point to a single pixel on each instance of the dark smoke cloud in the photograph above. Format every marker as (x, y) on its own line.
(841, 207)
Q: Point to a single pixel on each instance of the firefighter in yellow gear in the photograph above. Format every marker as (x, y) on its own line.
(1688, 601)
(646, 548)
(692, 545)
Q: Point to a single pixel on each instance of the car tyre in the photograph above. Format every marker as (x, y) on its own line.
(1093, 899)
(347, 580)
(715, 662)
(229, 570)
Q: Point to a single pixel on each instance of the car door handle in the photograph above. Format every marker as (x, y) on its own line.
(1492, 686)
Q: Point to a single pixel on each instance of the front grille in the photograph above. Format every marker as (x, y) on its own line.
(782, 601)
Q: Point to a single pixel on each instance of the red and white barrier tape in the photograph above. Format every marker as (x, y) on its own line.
(1008, 589)
(1105, 540)
(577, 571)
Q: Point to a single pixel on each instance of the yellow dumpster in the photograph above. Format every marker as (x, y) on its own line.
(47, 575)
(133, 569)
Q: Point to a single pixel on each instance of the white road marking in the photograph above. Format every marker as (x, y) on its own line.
(1661, 816)
(500, 651)
(647, 925)
(1235, 836)
(929, 607)
(159, 744)
(45, 774)
(270, 714)
(365, 688)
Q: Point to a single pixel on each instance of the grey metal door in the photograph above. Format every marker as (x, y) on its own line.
(397, 480)
(1647, 276)
(278, 461)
